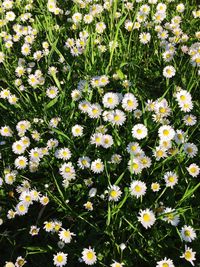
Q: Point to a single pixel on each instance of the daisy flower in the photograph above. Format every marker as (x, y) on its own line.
(60, 259)
(190, 149)
(88, 206)
(190, 120)
(165, 263)
(134, 166)
(116, 158)
(139, 131)
(169, 72)
(96, 139)
(145, 37)
(52, 92)
(155, 187)
(34, 230)
(21, 162)
(63, 153)
(97, 166)
(18, 147)
(77, 130)
(166, 132)
(67, 171)
(137, 188)
(84, 162)
(21, 208)
(114, 193)
(171, 179)
(107, 141)
(89, 256)
(110, 100)
(170, 216)
(160, 152)
(129, 102)
(94, 111)
(65, 236)
(189, 255)
(118, 117)
(146, 218)
(116, 264)
(6, 131)
(188, 233)
(179, 137)
(193, 170)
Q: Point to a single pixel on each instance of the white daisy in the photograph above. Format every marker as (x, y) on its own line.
(193, 170)
(190, 149)
(77, 130)
(63, 153)
(6, 131)
(110, 100)
(129, 102)
(21, 208)
(89, 256)
(52, 92)
(190, 120)
(134, 166)
(166, 132)
(21, 162)
(117, 117)
(189, 255)
(171, 179)
(60, 259)
(169, 71)
(170, 216)
(137, 188)
(114, 193)
(84, 162)
(155, 187)
(66, 235)
(96, 139)
(139, 131)
(188, 233)
(165, 263)
(146, 218)
(97, 166)
(107, 141)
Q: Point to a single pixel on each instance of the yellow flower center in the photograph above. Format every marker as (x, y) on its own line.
(113, 193)
(166, 132)
(138, 188)
(90, 255)
(188, 255)
(171, 179)
(59, 258)
(146, 217)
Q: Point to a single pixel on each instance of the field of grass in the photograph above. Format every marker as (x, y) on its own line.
(99, 133)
